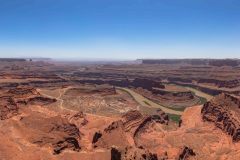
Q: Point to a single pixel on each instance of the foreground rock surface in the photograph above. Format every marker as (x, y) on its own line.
(8, 107)
(224, 112)
(42, 131)
(54, 132)
(131, 153)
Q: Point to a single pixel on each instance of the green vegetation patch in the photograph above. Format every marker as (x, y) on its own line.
(202, 100)
(174, 117)
(147, 103)
(177, 108)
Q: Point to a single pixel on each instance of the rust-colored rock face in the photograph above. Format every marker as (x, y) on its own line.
(132, 153)
(55, 132)
(222, 83)
(132, 119)
(24, 92)
(146, 83)
(186, 153)
(115, 154)
(27, 96)
(96, 136)
(124, 134)
(79, 119)
(188, 94)
(100, 90)
(135, 121)
(132, 115)
(40, 100)
(8, 108)
(224, 112)
(161, 118)
(114, 134)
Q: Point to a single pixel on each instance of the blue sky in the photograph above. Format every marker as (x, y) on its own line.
(120, 29)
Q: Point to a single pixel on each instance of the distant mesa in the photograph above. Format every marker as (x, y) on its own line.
(210, 62)
(39, 59)
(12, 60)
(23, 59)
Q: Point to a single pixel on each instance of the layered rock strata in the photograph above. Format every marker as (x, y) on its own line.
(224, 112)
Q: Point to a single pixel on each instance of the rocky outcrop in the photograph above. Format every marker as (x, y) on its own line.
(210, 91)
(8, 107)
(37, 84)
(115, 154)
(113, 135)
(186, 94)
(79, 119)
(135, 122)
(103, 90)
(161, 118)
(132, 153)
(37, 101)
(54, 132)
(96, 136)
(224, 112)
(28, 96)
(222, 83)
(66, 143)
(12, 99)
(45, 84)
(185, 153)
(132, 115)
(179, 79)
(146, 84)
(122, 132)
(132, 119)
(22, 92)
